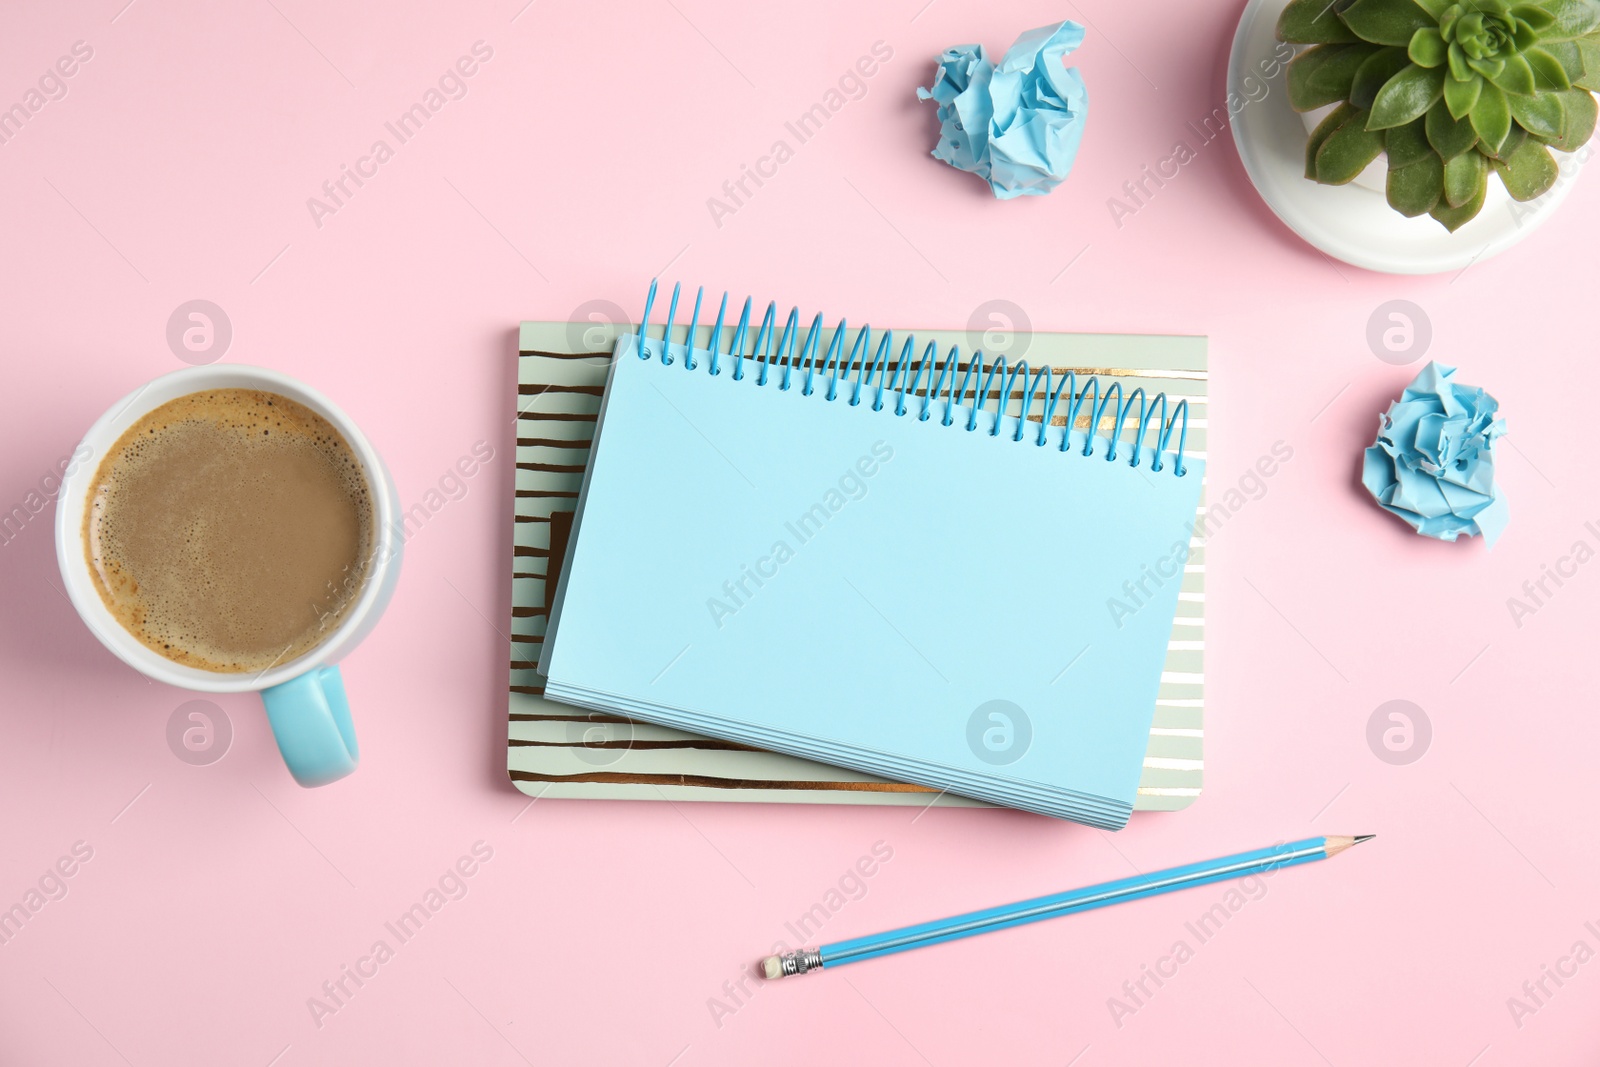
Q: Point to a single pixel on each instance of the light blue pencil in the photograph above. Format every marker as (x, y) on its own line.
(1049, 907)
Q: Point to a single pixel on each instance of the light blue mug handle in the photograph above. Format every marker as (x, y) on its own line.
(310, 718)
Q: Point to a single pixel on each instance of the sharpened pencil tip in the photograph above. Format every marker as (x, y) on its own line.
(1332, 846)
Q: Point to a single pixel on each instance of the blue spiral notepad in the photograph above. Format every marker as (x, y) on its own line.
(919, 564)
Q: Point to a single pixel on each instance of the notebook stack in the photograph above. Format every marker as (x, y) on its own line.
(919, 565)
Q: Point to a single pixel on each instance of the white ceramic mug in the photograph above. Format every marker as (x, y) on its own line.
(304, 698)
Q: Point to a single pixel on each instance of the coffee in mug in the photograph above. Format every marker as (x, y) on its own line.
(230, 530)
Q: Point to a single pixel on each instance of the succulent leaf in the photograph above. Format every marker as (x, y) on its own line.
(1488, 68)
(1529, 172)
(1567, 54)
(1313, 22)
(1549, 75)
(1406, 96)
(1323, 75)
(1334, 119)
(1427, 48)
(1516, 76)
(1382, 65)
(1491, 117)
(1573, 19)
(1453, 218)
(1435, 8)
(1448, 135)
(1391, 22)
(1458, 64)
(1544, 116)
(1406, 144)
(1415, 188)
(1459, 96)
(1513, 141)
(1582, 111)
(1589, 58)
(1464, 176)
(1537, 18)
(1348, 150)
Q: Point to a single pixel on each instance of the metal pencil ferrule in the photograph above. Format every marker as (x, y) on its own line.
(807, 959)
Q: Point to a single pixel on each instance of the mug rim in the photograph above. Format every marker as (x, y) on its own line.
(72, 502)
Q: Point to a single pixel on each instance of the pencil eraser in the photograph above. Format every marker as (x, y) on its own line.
(772, 967)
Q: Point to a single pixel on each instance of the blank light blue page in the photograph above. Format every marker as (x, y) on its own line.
(909, 572)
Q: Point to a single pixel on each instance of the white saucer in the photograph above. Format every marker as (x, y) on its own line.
(1354, 222)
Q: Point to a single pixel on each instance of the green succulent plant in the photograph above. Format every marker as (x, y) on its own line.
(1450, 91)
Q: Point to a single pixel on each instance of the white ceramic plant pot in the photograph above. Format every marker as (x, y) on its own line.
(1354, 222)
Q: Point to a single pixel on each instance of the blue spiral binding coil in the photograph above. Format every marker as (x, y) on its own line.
(907, 376)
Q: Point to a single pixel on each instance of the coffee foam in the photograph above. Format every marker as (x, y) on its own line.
(230, 530)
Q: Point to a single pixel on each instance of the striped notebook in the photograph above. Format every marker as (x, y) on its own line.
(557, 750)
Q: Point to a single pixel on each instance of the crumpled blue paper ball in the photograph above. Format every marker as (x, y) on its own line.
(1016, 125)
(1433, 461)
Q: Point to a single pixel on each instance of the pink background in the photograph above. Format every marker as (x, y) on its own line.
(220, 898)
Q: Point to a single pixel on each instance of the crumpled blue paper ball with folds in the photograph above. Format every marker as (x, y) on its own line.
(1433, 461)
(1016, 125)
